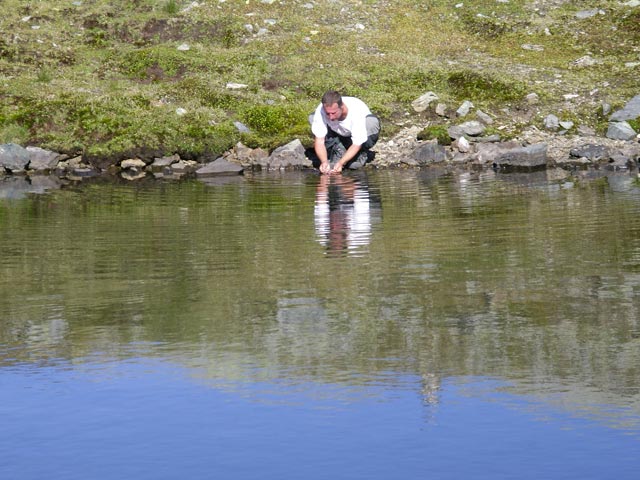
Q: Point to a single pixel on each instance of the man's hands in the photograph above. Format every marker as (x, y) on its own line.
(328, 169)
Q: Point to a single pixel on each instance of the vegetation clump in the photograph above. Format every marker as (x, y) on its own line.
(438, 132)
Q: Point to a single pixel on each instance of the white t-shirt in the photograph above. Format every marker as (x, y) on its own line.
(354, 125)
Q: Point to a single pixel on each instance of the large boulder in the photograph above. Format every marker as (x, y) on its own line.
(630, 111)
(531, 157)
(620, 131)
(219, 167)
(289, 155)
(593, 153)
(14, 158)
(42, 160)
(429, 153)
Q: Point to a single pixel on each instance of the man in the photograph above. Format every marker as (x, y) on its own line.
(344, 131)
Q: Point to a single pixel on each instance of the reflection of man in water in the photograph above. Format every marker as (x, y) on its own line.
(342, 213)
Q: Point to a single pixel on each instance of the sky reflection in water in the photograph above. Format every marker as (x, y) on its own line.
(150, 419)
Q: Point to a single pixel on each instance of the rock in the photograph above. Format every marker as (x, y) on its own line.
(590, 152)
(463, 145)
(630, 111)
(551, 122)
(83, 172)
(535, 48)
(567, 125)
(429, 153)
(531, 157)
(583, 14)
(532, 98)
(472, 128)
(14, 158)
(246, 156)
(219, 166)
(484, 118)
(132, 164)
(455, 131)
(487, 152)
(488, 139)
(72, 163)
(161, 163)
(242, 128)
(42, 160)
(441, 110)
(183, 166)
(620, 131)
(585, 61)
(422, 103)
(586, 131)
(290, 155)
(464, 109)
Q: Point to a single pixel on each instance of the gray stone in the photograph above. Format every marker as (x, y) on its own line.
(488, 139)
(620, 131)
(464, 109)
(586, 131)
(421, 103)
(590, 152)
(630, 111)
(484, 118)
(472, 128)
(487, 152)
(532, 98)
(42, 160)
(84, 172)
(14, 158)
(583, 14)
(160, 163)
(619, 161)
(430, 153)
(289, 155)
(551, 122)
(219, 167)
(441, 110)
(133, 164)
(247, 156)
(455, 131)
(530, 157)
(183, 166)
(463, 145)
(241, 127)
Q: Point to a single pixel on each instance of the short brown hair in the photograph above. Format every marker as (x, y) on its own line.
(330, 97)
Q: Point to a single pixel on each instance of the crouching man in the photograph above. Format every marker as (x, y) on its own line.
(345, 130)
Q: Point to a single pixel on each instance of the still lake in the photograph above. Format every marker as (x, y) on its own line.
(378, 325)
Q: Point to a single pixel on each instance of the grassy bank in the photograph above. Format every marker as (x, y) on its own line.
(142, 77)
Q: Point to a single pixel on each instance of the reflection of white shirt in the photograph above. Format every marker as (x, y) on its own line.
(354, 125)
(356, 222)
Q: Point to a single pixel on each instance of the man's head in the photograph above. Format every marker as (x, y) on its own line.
(333, 106)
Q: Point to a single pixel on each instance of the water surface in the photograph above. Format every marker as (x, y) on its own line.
(397, 324)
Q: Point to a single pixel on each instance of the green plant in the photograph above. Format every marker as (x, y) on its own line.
(170, 7)
(482, 86)
(438, 132)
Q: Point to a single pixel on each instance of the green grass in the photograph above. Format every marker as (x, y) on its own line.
(106, 78)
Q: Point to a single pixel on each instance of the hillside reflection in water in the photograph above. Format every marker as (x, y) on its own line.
(370, 325)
